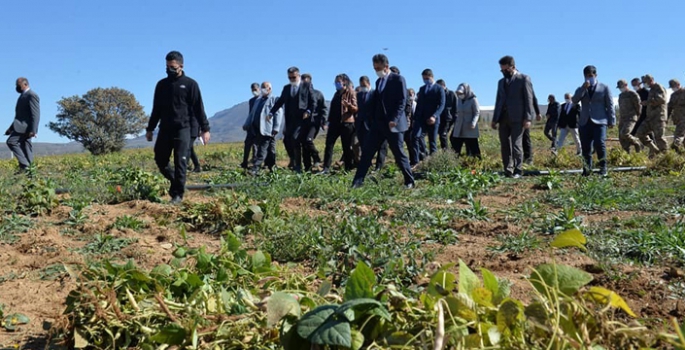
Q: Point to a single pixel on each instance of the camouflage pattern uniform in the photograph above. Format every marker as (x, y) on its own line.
(629, 110)
(676, 109)
(655, 121)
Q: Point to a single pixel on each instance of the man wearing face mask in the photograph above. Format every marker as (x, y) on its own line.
(629, 107)
(25, 125)
(298, 101)
(448, 114)
(644, 95)
(265, 128)
(552, 120)
(311, 131)
(657, 115)
(409, 111)
(388, 122)
(341, 123)
(429, 106)
(513, 114)
(249, 144)
(177, 99)
(676, 109)
(598, 113)
(568, 123)
(362, 124)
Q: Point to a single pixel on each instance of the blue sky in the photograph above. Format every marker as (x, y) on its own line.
(67, 47)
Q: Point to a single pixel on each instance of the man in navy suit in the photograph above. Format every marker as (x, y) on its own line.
(429, 106)
(596, 115)
(388, 122)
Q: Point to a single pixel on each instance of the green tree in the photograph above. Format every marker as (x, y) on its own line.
(100, 120)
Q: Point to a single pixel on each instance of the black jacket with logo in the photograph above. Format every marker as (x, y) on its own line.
(176, 101)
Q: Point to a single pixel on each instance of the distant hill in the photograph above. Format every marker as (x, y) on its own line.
(226, 126)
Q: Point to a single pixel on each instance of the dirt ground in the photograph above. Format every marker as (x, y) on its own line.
(26, 288)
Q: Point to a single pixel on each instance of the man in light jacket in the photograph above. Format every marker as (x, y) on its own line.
(265, 126)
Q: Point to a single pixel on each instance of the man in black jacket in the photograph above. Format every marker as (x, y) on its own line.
(644, 95)
(552, 120)
(300, 102)
(177, 99)
(311, 130)
(249, 144)
(448, 115)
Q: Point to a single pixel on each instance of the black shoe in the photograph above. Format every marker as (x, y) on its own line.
(604, 172)
(197, 169)
(528, 161)
(508, 175)
(325, 171)
(357, 184)
(586, 173)
(176, 200)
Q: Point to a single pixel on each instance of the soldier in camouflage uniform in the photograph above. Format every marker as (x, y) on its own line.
(629, 111)
(656, 117)
(676, 110)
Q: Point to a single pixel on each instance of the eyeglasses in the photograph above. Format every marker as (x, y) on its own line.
(292, 78)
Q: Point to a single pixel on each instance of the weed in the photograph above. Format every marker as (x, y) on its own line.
(475, 211)
(103, 244)
(564, 220)
(11, 226)
(128, 222)
(37, 197)
(550, 182)
(440, 162)
(516, 244)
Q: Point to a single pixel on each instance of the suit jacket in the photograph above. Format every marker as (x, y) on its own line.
(553, 111)
(599, 107)
(267, 125)
(429, 103)
(321, 113)
(450, 110)
(570, 119)
(388, 105)
(364, 104)
(514, 100)
(27, 113)
(306, 101)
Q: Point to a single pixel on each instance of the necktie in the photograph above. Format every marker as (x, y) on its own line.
(568, 108)
(382, 84)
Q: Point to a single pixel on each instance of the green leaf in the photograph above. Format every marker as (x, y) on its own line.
(361, 305)
(325, 288)
(441, 284)
(570, 238)
(490, 282)
(361, 282)
(259, 260)
(399, 338)
(12, 321)
(280, 305)
(462, 306)
(482, 297)
(319, 326)
(468, 281)
(509, 316)
(255, 213)
(161, 270)
(180, 252)
(357, 340)
(537, 313)
(604, 296)
(566, 279)
(232, 243)
(171, 334)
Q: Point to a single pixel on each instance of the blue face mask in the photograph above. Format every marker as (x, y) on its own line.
(338, 85)
(592, 80)
(426, 81)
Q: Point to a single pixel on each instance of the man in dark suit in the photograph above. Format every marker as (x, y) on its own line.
(250, 145)
(25, 124)
(429, 106)
(568, 124)
(526, 141)
(311, 131)
(362, 123)
(388, 122)
(552, 120)
(448, 114)
(597, 114)
(513, 113)
(300, 102)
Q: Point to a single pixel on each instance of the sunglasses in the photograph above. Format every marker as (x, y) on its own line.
(291, 78)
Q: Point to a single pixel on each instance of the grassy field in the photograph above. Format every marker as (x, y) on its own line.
(467, 259)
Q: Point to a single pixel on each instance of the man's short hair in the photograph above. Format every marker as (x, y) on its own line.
(363, 79)
(175, 56)
(293, 69)
(568, 95)
(380, 59)
(441, 82)
(307, 76)
(507, 61)
(590, 70)
(673, 82)
(427, 72)
(395, 70)
(552, 97)
(411, 90)
(254, 85)
(647, 77)
(23, 80)
(636, 80)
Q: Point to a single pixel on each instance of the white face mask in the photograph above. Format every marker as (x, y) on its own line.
(623, 88)
(568, 100)
(365, 89)
(295, 83)
(255, 93)
(265, 92)
(675, 88)
(381, 73)
(460, 95)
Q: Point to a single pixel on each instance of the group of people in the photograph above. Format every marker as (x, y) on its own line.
(300, 110)
(369, 119)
